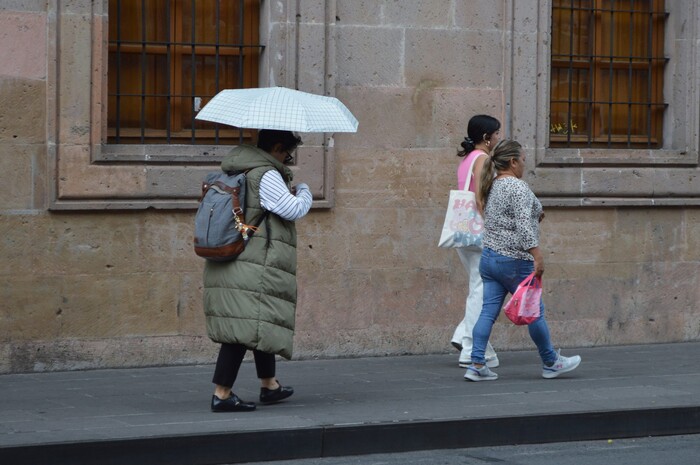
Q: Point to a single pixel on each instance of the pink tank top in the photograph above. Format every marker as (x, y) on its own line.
(463, 170)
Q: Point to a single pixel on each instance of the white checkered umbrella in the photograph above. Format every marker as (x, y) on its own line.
(278, 108)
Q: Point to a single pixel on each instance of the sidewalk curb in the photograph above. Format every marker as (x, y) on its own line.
(329, 441)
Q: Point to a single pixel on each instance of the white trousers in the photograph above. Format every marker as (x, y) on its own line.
(470, 258)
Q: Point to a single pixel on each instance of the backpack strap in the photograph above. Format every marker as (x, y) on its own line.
(235, 200)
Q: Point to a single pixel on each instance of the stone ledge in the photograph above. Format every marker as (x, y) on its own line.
(619, 202)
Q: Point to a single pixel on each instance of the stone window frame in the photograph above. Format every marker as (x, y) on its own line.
(600, 176)
(88, 174)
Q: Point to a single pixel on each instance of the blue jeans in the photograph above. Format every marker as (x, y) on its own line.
(501, 275)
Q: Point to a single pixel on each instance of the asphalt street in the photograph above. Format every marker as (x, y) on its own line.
(667, 450)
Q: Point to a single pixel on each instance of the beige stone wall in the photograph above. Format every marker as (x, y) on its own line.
(101, 288)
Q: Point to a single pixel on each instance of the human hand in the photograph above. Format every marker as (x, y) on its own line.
(539, 267)
(539, 261)
(300, 188)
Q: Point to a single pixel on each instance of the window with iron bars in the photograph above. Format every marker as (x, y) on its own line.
(168, 58)
(607, 65)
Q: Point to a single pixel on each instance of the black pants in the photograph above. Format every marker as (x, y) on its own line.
(229, 362)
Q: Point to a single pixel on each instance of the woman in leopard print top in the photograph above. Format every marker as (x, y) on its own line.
(511, 219)
(511, 253)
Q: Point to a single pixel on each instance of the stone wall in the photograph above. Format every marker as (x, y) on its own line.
(99, 288)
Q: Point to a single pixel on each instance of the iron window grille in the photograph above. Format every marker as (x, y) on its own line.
(607, 64)
(167, 58)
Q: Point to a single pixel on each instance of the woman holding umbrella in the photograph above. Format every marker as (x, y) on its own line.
(250, 303)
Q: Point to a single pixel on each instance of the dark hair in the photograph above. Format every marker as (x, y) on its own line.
(480, 128)
(268, 138)
(500, 158)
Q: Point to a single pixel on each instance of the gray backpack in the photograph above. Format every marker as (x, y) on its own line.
(220, 231)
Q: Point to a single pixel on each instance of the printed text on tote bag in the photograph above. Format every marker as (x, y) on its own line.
(466, 222)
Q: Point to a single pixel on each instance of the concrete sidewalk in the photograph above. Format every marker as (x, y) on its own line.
(346, 406)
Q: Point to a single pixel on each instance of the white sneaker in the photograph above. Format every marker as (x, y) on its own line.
(561, 365)
(480, 374)
(490, 362)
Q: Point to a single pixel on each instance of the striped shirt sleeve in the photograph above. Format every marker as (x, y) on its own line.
(276, 198)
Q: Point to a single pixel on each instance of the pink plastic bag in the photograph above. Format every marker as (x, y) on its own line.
(524, 307)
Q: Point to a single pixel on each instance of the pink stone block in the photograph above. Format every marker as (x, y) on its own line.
(23, 39)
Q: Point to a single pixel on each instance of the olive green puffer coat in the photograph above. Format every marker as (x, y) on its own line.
(252, 300)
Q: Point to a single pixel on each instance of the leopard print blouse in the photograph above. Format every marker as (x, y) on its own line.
(511, 219)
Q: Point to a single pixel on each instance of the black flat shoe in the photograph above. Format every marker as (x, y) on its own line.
(270, 396)
(232, 404)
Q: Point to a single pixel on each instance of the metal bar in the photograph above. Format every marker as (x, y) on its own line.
(610, 70)
(217, 62)
(241, 39)
(650, 47)
(570, 73)
(585, 57)
(604, 10)
(591, 77)
(169, 64)
(119, 69)
(143, 71)
(193, 66)
(629, 77)
(605, 102)
(200, 44)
